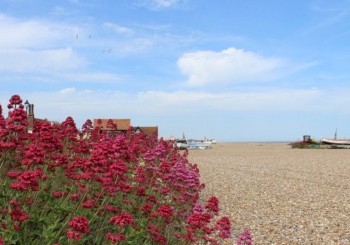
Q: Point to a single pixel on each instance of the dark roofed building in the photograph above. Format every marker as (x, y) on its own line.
(121, 124)
(149, 131)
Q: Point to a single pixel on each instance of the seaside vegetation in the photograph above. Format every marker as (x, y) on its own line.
(61, 185)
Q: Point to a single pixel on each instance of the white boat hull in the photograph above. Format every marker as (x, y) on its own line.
(336, 141)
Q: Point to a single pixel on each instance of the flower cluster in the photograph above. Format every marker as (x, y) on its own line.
(59, 185)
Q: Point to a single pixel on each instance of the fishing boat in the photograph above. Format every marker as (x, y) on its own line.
(182, 144)
(199, 146)
(334, 141)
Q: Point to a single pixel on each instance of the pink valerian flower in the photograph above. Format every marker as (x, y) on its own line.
(15, 203)
(123, 219)
(73, 235)
(213, 205)
(1, 241)
(198, 209)
(115, 238)
(80, 224)
(209, 240)
(245, 238)
(223, 225)
(18, 215)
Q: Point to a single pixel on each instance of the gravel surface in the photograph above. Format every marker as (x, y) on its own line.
(282, 195)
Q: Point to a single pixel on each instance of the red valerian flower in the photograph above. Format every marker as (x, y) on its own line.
(34, 154)
(15, 203)
(30, 201)
(114, 238)
(198, 221)
(13, 174)
(3, 226)
(74, 196)
(213, 204)
(140, 191)
(73, 235)
(165, 211)
(123, 219)
(57, 194)
(18, 215)
(152, 199)
(17, 226)
(147, 208)
(224, 227)
(18, 186)
(80, 224)
(88, 204)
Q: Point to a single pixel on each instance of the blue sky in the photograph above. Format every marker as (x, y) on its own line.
(232, 70)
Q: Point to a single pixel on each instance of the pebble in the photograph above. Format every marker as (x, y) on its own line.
(282, 195)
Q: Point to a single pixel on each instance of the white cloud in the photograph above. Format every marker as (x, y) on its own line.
(117, 28)
(100, 77)
(39, 46)
(24, 60)
(228, 66)
(161, 4)
(67, 91)
(83, 104)
(165, 3)
(34, 33)
(195, 112)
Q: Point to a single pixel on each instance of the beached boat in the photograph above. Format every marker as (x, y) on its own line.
(334, 141)
(199, 146)
(181, 144)
(209, 141)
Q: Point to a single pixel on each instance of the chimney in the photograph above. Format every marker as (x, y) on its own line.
(30, 115)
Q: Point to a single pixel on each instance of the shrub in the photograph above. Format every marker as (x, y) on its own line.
(59, 185)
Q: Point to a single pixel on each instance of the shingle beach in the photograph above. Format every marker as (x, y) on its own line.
(282, 195)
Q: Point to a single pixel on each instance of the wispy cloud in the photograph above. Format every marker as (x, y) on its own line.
(93, 77)
(117, 28)
(31, 33)
(32, 45)
(43, 61)
(328, 16)
(228, 66)
(161, 4)
(97, 103)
